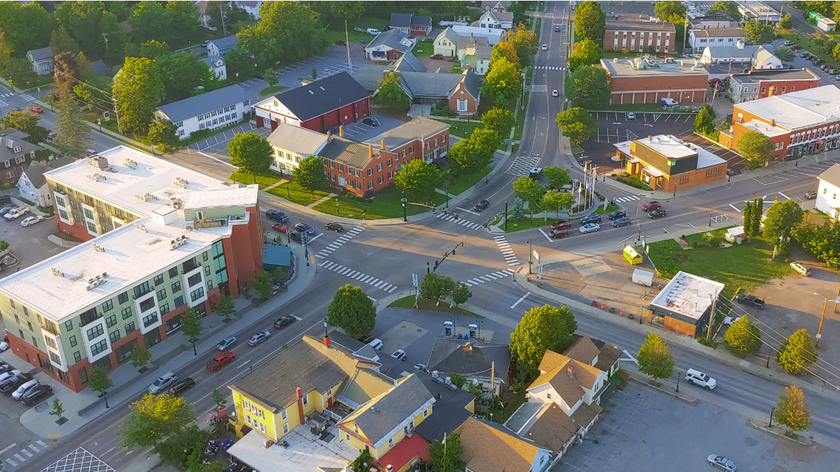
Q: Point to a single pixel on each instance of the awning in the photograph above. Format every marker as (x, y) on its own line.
(653, 172)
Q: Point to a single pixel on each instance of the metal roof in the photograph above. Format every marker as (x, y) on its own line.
(296, 139)
(206, 102)
(321, 96)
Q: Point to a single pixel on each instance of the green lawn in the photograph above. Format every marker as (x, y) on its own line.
(423, 48)
(384, 205)
(527, 223)
(295, 193)
(336, 32)
(264, 180)
(739, 267)
(272, 90)
(423, 304)
(463, 182)
(609, 209)
(809, 46)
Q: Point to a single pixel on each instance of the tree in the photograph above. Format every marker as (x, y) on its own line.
(95, 92)
(586, 53)
(797, 352)
(782, 217)
(755, 148)
(263, 285)
(85, 68)
(309, 173)
(589, 85)
(251, 153)
(461, 293)
(556, 201)
(192, 326)
(163, 132)
(57, 408)
(757, 213)
(270, 76)
(218, 398)
(183, 17)
(226, 306)
(60, 41)
(26, 26)
(154, 50)
(500, 120)
(655, 359)
(445, 455)
(541, 328)
(73, 133)
(26, 122)
(743, 337)
(557, 177)
(391, 95)
(728, 9)
(576, 124)
(792, 411)
(525, 41)
(784, 23)
(666, 10)
(503, 82)
(87, 21)
(748, 212)
(418, 178)
(352, 310)
(590, 21)
(150, 21)
(138, 88)
(185, 72)
(474, 153)
(154, 419)
(434, 287)
(287, 32)
(704, 123)
(66, 70)
(507, 51)
(140, 356)
(529, 190)
(99, 381)
(361, 462)
(757, 33)
(784, 54)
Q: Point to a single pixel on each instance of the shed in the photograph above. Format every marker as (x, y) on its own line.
(736, 234)
(275, 256)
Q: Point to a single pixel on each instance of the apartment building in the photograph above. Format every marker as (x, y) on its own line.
(763, 83)
(639, 33)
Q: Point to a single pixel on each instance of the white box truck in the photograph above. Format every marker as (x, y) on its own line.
(643, 277)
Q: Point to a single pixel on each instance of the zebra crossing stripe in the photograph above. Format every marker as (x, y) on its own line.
(468, 284)
(28, 454)
(319, 256)
(485, 278)
(392, 289)
(367, 279)
(372, 281)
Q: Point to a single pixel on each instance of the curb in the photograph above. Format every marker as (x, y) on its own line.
(779, 432)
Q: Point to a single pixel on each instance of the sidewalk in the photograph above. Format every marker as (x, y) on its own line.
(168, 356)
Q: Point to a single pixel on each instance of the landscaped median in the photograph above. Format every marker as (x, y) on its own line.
(385, 205)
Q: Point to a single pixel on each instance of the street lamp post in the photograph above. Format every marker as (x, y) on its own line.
(506, 215)
(772, 410)
(288, 193)
(678, 381)
(530, 261)
(427, 267)
(105, 396)
(639, 237)
(193, 340)
(405, 214)
(675, 190)
(446, 190)
(822, 317)
(306, 247)
(710, 217)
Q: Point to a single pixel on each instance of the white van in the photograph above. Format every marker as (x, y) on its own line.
(23, 388)
(797, 266)
(376, 344)
(669, 102)
(373, 31)
(696, 377)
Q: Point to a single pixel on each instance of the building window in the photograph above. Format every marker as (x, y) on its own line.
(378, 167)
(129, 328)
(111, 320)
(370, 184)
(126, 312)
(78, 358)
(95, 332)
(283, 415)
(122, 298)
(194, 279)
(379, 180)
(285, 428)
(158, 279)
(196, 294)
(391, 442)
(108, 305)
(161, 294)
(305, 400)
(99, 347)
(73, 341)
(68, 325)
(176, 286)
(164, 309)
(207, 270)
(150, 320)
(346, 436)
(173, 272)
(147, 304)
(370, 171)
(115, 336)
(179, 301)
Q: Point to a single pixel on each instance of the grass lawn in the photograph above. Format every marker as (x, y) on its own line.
(385, 205)
(423, 48)
(295, 193)
(528, 223)
(463, 182)
(464, 129)
(408, 302)
(336, 32)
(263, 180)
(272, 90)
(609, 209)
(741, 266)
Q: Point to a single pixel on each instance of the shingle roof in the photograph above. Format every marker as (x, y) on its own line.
(831, 175)
(469, 41)
(322, 96)
(490, 448)
(40, 54)
(400, 20)
(757, 75)
(448, 34)
(450, 410)
(424, 84)
(553, 428)
(449, 355)
(409, 63)
(99, 68)
(472, 83)
(35, 171)
(583, 350)
(211, 60)
(19, 138)
(718, 32)
(414, 129)
(394, 39)
(294, 138)
(225, 44)
(569, 379)
(347, 152)
(421, 20)
(194, 106)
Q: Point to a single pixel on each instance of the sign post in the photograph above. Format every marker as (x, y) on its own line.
(416, 285)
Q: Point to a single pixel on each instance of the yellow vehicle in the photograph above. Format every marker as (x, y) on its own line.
(632, 255)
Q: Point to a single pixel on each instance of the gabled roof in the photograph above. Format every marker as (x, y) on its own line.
(583, 350)
(409, 63)
(471, 41)
(400, 20)
(493, 448)
(35, 171)
(17, 138)
(450, 411)
(297, 139)
(348, 152)
(472, 83)
(99, 68)
(449, 34)
(570, 379)
(322, 96)
(831, 175)
(40, 54)
(394, 39)
(225, 44)
(553, 428)
(421, 21)
(415, 129)
(449, 355)
(499, 16)
(194, 106)
(212, 60)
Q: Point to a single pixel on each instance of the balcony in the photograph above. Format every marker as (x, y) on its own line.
(89, 317)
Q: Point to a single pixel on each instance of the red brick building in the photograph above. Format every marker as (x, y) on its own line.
(322, 105)
(763, 83)
(649, 80)
(664, 162)
(638, 33)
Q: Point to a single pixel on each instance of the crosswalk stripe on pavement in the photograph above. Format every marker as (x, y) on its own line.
(323, 253)
(506, 251)
(522, 165)
(360, 276)
(460, 221)
(489, 277)
(626, 199)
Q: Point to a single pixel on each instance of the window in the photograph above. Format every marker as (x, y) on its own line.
(51, 343)
(115, 336)
(196, 294)
(391, 442)
(147, 304)
(207, 270)
(548, 395)
(158, 279)
(346, 436)
(285, 428)
(161, 294)
(173, 272)
(111, 320)
(150, 320)
(305, 400)
(410, 150)
(370, 184)
(425, 413)
(95, 332)
(129, 328)
(77, 356)
(142, 289)
(370, 171)
(379, 180)
(194, 279)
(123, 297)
(126, 312)
(108, 305)
(176, 286)
(30, 326)
(403, 154)
(179, 301)
(209, 284)
(164, 309)
(99, 347)
(68, 325)
(73, 341)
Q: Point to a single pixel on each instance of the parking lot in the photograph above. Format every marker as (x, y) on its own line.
(29, 244)
(218, 142)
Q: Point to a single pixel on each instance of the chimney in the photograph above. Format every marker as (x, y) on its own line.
(327, 341)
(299, 395)
(329, 136)
(370, 151)
(382, 144)
(569, 370)
(341, 131)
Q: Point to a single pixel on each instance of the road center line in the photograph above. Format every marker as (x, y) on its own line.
(519, 301)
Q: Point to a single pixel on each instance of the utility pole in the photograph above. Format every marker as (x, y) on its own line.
(685, 32)
(347, 46)
(105, 35)
(713, 296)
(116, 112)
(492, 379)
(222, 16)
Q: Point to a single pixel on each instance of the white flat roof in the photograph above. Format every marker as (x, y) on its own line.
(706, 158)
(668, 145)
(765, 128)
(796, 110)
(150, 175)
(305, 453)
(688, 295)
(656, 67)
(225, 197)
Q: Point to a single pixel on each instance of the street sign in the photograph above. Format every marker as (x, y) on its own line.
(414, 280)
(536, 255)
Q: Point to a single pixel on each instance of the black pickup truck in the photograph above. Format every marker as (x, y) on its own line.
(750, 300)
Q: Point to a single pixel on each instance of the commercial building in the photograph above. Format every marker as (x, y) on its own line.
(167, 239)
(685, 304)
(648, 80)
(211, 110)
(389, 46)
(16, 153)
(827, 194)
(700, 39)
(710, 22)
(757, 11)
(460, 92)
(667, 163)
(757, 84)
(639, 33)
(798, 123)
(322, 105)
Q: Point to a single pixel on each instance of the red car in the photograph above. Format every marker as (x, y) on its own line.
(651, 206)
(221, 360)
(562, 225)
(279, 227)
(38, 110)
(438, 57)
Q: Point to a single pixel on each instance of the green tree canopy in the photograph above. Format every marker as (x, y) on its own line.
(391, 95)
(704, 123)
(183, 17)
(474, 153)
(589, 85)
(590, 21)
(557, 177)
(226, 306)
(287, 32)
(728, 9)
(140, 356)
(666, 10)
(797, 352)
(577, 124)
(154, 419)
(183, 73)
(138, 88)
(503, 82)
(263, 284)
(163, 132)
(822, 241)
(60, 41)
(352, 310)
(270, 76)
(149, 21)
(556, 201)
(792, 411)
(445, 455)
(334, 13)
(461, 293)
(586, 53)
(655, 359)
(757, 33)
(743, 337)
(192, 324)
(500, 120)
(25, 26)
(309, 173)
(525, 41)
(66, 72)
(783, 53)
(251, 153)
(99, 379)
(434, 287)
(153, 49)
(755, 148)
(541, 328)
(418, 178)
(507, 51)
(26, 122)
(529, 190)
(781, 219)
(784, 23)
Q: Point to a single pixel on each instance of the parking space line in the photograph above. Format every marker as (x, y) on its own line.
(735, 208)
(546, 236)
(780, 193)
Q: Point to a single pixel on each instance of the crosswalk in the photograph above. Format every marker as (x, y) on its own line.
(626, 199)
(27, 97)
(507, 252)
(549, 68)
(361, 277)
(323, 253)
(539, 88)
(522, 165)
(489, 277)
(4, 95)
(458, 221)
(24, 453)
(3, 104)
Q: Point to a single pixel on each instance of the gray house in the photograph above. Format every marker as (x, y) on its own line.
(41, 60)
(32, 183)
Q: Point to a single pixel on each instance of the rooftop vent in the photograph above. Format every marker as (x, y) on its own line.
(179, 182)
(97, 177)
(130, 163)
(56, 272)
(140, 227)
(97, 247)
(96, 281)
(145, 197)
(99, 162)
(177, 242)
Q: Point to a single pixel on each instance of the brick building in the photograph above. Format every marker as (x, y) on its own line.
(799, 123)
(648, 80)
(322, 105)
(639, 33)
(757, 84)
(667, 163)
(684, 306)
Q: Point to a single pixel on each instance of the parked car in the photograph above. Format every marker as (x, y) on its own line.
(631, 116)
(654, 205)
(4, 367)
(7, 376)
(25, 387)
(162, 383)
(481, 206)
(284, 321)
(436, 57)
(694, 376)
(593, 218)
(399, 354)
(304, 228)
(31, 220)
(810, 195)
(729, 320)
(14, 382)
(750, 300)
(558, 233)
(259, 338)
(656, 214)
(721, 463)
(563, 224)
(37, 110)
(371, 121)
(373, 31)
(376, 344)
(296, 237)
(16, 213)
(556, 28)
(221, 360)
(226, 343)
(181, 385)
(617, 214)
(277, 215)
(280, 227)
(590, 228)
(619, 222)
(669, 102)
(6, 209)
(799, 267)
(36, 393)
(333, 226)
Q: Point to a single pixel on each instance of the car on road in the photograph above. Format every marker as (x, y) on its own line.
(654, 205)
(14, 382)
(31, 220)
(333, 226)
(555, 93)
(631, 115)
(721, 463)
(694, 376)
(536, 173)
(593, 218)
(558, 233)
(304, 228)
(277, 215)
(420, 367)
(37, 110)
(617, 214)
(556, 28)
(563, 224)
(657, 214)
(226, 343)
(163, 382)
(729, 320)
(749, 300)
(221, 360)
(181, 385)
(284, 321)
(799, 267)
(481, 206)
(259, 338)
(590, 228)
(280, 227)
(18, 109)
(36, 393)
(371, 121)
(399, 354)
(619, 222)
(376, 343)
(808, 195)
(296, 237)
(25, 387)
(545, 47)
(668, 102)
(436, 57)
(15, 213)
